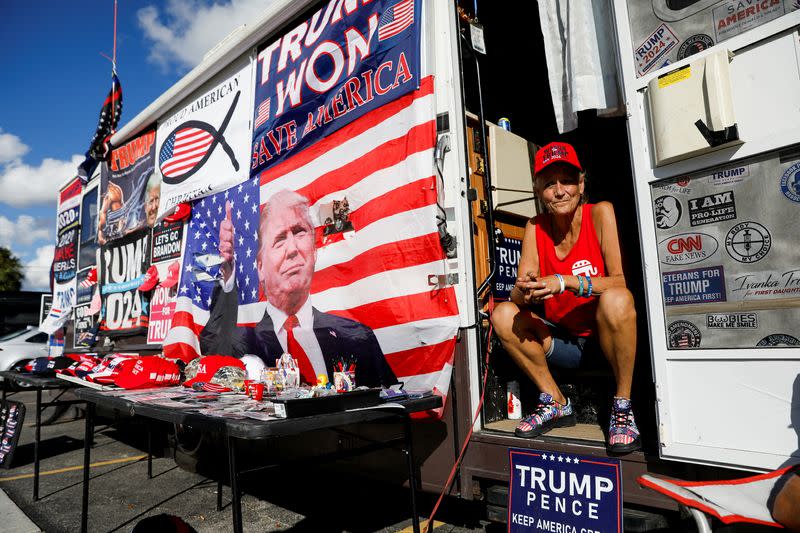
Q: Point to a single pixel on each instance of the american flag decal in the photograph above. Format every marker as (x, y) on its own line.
(263, 113)
(396, 19)
(183, 150)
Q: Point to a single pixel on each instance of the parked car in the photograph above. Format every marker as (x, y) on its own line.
(20, 346)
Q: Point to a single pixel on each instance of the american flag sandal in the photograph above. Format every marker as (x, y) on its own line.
(548, 414)
(623, 434)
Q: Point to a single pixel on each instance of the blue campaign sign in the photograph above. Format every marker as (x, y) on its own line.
(563, 492)
(507, 258)
(350, 57)
(694, 286)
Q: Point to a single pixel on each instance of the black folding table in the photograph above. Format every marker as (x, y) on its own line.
(38, 384)
(248, 429)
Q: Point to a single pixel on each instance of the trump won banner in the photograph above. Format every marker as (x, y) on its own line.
(327, 251)
(202, 146)
(348, 59)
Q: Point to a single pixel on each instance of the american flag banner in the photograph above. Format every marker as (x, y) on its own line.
(375, 271)
(396, 19)
(382, 167)
(201, 265)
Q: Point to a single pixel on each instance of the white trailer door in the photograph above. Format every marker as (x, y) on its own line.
(719, 232)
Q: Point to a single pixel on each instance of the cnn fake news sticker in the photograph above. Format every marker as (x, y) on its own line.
(551, 491)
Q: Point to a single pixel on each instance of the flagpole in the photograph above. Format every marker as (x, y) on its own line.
(114, 53)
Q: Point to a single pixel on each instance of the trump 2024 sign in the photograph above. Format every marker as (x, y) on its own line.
(563, 492)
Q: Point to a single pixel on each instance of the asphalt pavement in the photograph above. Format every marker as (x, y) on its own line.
(122, 495)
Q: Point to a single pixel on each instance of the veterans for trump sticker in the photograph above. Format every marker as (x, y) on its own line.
(563, 492)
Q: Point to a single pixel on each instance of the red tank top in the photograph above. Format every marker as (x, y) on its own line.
(576, 315)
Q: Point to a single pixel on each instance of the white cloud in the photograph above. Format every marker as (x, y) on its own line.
(188, 28)
(24, 231)
(24, 185)
(37, 270)
(11, 148)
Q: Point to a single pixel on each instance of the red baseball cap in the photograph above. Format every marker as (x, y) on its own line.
(203, 369)
(555, 152)
(150, 279)
(181, 212)
(173, 273)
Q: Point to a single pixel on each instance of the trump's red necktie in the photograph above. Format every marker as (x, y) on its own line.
(295, 350)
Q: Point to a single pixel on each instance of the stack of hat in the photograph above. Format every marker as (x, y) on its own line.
(147, 371)
(82, 364)
(48, 366)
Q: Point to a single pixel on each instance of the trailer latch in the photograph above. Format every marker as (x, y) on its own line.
(441, 281)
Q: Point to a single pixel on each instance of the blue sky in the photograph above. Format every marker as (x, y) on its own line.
(55, 82)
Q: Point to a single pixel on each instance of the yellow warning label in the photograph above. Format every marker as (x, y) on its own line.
(674, 77)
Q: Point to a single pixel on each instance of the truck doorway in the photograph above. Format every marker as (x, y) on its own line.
(511, 81)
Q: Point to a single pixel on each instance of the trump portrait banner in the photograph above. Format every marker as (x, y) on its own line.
(347, 60)
(124, 184)
(369, 181)
(123, 264)
(563, 492)
(202, 146)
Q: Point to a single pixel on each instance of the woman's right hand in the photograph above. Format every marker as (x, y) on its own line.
(536, 290)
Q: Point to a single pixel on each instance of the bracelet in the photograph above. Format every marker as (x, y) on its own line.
(589, 282)
(560, 282)
(580, 289)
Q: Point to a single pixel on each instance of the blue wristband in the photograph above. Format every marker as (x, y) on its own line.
(589, 282)
(560, 279)
(580, 289)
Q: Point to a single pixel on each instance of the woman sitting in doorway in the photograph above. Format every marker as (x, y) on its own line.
(570, 262)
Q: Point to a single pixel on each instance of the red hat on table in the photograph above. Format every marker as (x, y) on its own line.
(207, 366)
(147, 371)
(555, 152)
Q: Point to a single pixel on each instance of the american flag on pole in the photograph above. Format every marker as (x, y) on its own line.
(396, 19)
(183, 150)
(383, 164)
